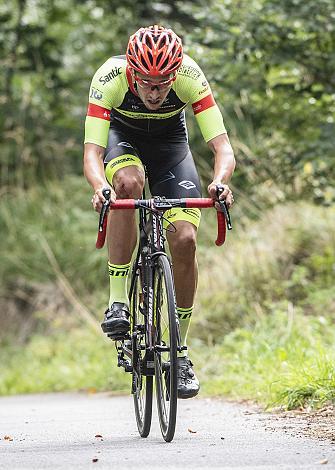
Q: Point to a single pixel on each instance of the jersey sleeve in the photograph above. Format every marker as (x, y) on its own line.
(104, 95)
(196, 90)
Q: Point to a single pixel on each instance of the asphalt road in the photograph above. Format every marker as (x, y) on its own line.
(59, 431)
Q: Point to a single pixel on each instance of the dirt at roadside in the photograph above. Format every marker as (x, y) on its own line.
(317, 424)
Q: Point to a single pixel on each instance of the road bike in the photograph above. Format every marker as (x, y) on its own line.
(150, 349)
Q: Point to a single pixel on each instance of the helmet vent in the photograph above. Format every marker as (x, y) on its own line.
(150, 57)
(155, 50)
(164, 64)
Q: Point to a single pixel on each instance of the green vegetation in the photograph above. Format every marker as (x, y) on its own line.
(264, 322)
(79, 359)
(263, 327)
(286, 360)
(271, 65)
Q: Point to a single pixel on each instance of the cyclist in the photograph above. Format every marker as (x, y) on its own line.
(136, 120)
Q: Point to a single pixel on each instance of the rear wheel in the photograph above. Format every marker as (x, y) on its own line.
(165, 347)
(142, 385)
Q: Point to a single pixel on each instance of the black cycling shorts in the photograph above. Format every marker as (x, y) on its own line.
(169, 167)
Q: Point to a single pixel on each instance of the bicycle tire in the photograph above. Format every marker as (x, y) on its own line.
(165, 337)
(142, 386)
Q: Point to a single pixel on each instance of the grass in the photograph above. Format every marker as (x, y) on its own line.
(286, 360)
(76, 360)
(264, 317)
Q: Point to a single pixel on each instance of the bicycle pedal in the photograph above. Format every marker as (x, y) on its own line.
(127, 344)
(119, 336)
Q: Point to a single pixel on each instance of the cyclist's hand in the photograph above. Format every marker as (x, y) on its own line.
(226, 195)
(98, 198)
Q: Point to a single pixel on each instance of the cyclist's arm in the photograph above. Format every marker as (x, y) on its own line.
(95, 173)
(102, 97)
(224, 165)
(224, 160)
(192, 87)
(210, 121)
(93, 165)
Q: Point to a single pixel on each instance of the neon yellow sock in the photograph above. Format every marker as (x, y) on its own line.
(184, 315)
(118, 276)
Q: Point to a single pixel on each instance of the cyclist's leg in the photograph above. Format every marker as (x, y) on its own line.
(183, 181)
(124, 171)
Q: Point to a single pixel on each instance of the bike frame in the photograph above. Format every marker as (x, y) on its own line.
(150, 264)
(151, 245)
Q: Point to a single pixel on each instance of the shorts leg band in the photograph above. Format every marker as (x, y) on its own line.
(120, 162)
(188, 215)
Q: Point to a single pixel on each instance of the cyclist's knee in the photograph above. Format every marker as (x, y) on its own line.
(183, 242)
(129, 183)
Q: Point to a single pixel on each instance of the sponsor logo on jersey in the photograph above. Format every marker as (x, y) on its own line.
(189, 71)
(187, 184)
(204, 90)
(94, 110)
(167, 106)
(203, 104)
(112, 74)
(96, 94)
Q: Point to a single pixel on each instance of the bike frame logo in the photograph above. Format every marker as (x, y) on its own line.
(151, 305)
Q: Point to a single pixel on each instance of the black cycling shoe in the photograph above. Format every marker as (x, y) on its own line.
(116, 322)
(188, 384)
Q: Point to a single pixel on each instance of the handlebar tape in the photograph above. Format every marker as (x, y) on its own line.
(101, 235)
(221, 237)
(189, 203)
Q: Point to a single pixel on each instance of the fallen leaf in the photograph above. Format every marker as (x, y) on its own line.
(222, 438)
(98, 435)
(191, 431)
(95, 460)
(8, 438)
(323, 462)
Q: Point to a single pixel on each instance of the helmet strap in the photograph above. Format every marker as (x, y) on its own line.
(131, 80)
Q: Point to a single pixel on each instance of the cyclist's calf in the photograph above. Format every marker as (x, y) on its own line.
(182, 243)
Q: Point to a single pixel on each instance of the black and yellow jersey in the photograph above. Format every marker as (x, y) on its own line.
(113, 99)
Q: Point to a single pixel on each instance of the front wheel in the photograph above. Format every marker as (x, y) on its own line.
(142, 385)
(165, 356)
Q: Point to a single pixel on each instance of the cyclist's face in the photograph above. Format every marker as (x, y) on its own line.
(153, 90)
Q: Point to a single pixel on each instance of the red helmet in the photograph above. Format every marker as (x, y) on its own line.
(154, 51)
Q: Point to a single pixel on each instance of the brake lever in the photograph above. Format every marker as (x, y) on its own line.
(223, 206)
(107, 194)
